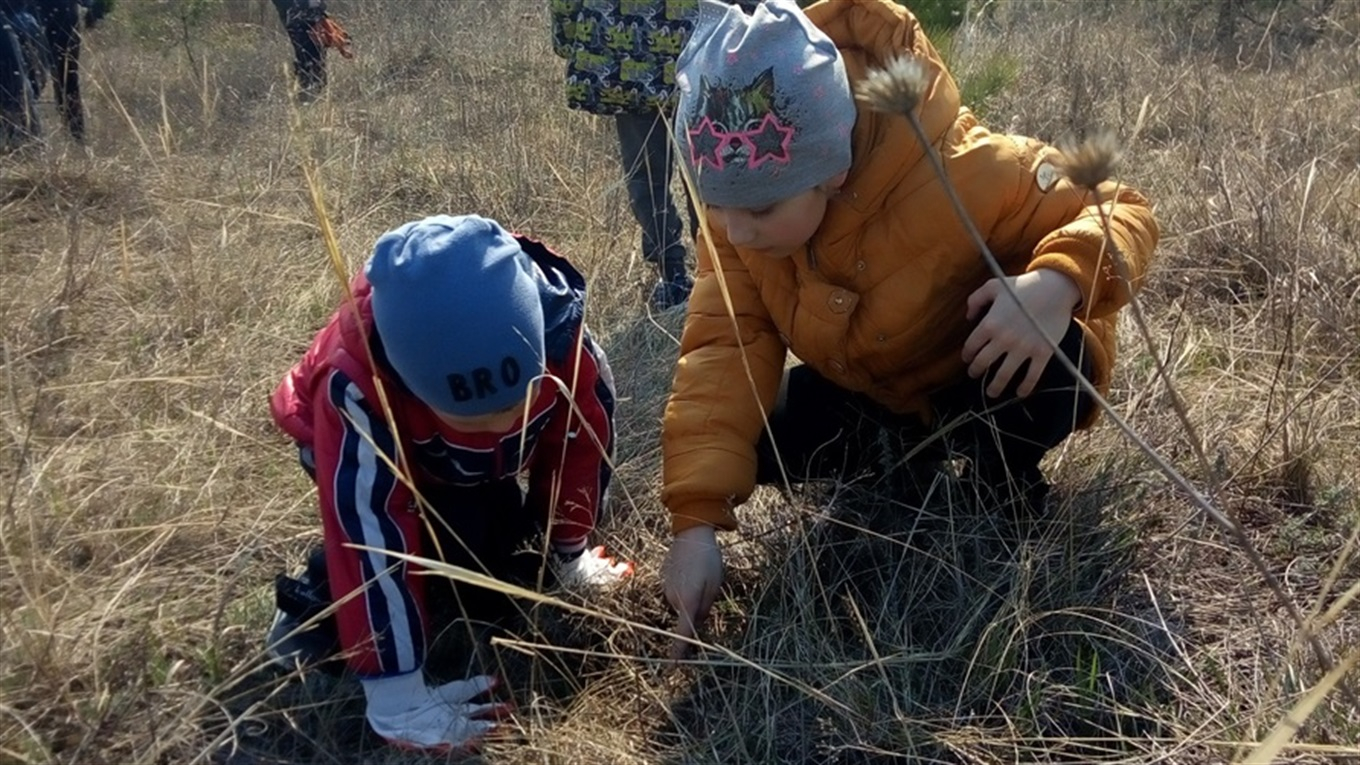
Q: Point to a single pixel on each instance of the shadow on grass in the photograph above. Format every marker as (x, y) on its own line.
(941, 633)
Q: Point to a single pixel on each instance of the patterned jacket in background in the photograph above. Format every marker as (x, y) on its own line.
(621, 53)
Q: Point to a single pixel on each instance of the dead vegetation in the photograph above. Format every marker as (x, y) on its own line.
(156, 288)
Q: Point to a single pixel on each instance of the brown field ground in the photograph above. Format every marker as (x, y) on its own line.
(156, 286)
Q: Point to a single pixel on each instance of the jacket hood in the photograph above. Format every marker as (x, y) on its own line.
(563, 290)
(870, 35)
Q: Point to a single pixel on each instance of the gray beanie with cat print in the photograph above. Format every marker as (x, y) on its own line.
(765, 108)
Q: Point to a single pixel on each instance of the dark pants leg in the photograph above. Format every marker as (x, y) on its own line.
(1015, 433)
(826, 432)
(485, 528)
(309, 58)
(645, 151)
(18, 115)
(61, 24)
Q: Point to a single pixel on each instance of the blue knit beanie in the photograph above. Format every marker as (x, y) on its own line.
(456, 303)
(765, 108)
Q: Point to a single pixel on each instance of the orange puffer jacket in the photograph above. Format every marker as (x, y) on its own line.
(876, 301)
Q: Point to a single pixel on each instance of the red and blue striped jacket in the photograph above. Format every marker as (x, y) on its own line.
(328, 403)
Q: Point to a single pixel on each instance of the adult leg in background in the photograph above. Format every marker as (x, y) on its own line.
(61, 25)
(309, 58)
(19, 122)
(645, 154)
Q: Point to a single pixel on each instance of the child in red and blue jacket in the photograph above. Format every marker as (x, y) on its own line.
(461, 364)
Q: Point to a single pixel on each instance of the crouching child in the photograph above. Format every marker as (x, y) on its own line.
(461, 365)
(830, 237)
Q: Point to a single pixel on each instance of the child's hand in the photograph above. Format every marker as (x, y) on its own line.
(592, 568)
(410, 715)
(693, 574)
(1005, 339)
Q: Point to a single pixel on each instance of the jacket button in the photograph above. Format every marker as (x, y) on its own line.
(838, 301)
(859, 265)
(882, 337)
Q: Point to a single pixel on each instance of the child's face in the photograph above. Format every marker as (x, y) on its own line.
(502, 421)
(781, 229)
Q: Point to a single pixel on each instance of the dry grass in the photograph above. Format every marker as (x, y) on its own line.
(157, 288)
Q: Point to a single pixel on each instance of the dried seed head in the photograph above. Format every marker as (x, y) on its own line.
(897, 88)
(1092, 162)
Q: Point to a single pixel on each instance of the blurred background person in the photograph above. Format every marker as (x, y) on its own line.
(311, 30)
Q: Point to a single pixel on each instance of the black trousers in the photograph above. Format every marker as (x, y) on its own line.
(61, 25)
(309, 58)
(14, 95)
(648, 167)
(488, 528)
(825, 432)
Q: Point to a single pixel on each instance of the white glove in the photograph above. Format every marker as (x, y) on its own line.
(592, 568)
(412, 715)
